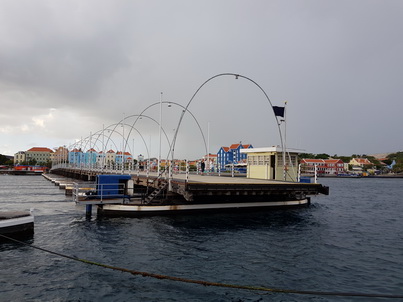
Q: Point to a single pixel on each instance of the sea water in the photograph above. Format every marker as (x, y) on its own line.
(349, 241)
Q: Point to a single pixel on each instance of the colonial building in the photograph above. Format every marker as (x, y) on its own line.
(76, 157)
(323, 166)
(127, 157)
(357, 164)
(40, 154)
(19, 157)
(60, 155)
(110, 157)
(90, 157)
(231, 155)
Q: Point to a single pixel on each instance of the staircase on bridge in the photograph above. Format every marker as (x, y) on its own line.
(149, 199)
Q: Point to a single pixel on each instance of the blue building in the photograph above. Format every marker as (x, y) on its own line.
(90, 157)
(231, 155)
(76, 157)
(127, 157)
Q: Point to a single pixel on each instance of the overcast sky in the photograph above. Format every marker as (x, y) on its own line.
(69, 69)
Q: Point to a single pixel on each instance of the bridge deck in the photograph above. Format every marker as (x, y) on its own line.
(216, 188)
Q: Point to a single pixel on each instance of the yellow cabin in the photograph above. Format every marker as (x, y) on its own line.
(267, 163)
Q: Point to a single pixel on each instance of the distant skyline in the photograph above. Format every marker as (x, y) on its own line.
(69, 69)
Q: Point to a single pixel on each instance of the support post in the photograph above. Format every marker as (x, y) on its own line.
(88, 210)
(299, 173)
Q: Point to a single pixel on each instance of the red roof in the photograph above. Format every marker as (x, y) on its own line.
(210, 155)
(362, 161)
(334, 161)
(40, 149)
(226, 149)
(110, 151)
(234, 146)
(311, 160)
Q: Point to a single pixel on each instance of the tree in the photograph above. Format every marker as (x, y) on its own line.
(32, 162)
(3, 159)
(322, 156)
(375, 161)
(306, 155)
(398, 168)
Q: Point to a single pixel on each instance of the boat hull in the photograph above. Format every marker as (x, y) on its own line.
(16, 224)
(148, 210)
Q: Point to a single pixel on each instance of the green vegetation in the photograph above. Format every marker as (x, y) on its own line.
(398, 158)
(4, 160)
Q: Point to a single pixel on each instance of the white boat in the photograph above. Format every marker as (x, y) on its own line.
(16, 223)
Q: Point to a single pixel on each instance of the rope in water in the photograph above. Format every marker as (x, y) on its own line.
(208, 283)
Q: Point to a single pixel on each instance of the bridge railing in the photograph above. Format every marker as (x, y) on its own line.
(100, 193)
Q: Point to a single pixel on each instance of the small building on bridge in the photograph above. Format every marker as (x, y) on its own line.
(267, 163)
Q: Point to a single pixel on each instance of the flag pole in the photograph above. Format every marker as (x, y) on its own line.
(285, 142)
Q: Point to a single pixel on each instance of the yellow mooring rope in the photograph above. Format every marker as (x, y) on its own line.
(208, 283)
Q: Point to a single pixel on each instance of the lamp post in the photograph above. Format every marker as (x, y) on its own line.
(123, 143)
(160, 127)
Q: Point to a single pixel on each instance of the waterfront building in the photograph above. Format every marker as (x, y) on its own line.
(76, 157)
(267, 163)
(19, 157)
(110, 157)
(358, 164)
(323, 166)
(90, 157)
(231, 155)
(100, 159)
(60, 155)
(126, 156)
(39, 154)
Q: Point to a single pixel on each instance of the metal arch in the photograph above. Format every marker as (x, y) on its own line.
(185, 109)
(131, 127)
(115, 131)
(216, 76)
(142, 115)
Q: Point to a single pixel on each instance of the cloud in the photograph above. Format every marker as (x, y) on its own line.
(68, 68)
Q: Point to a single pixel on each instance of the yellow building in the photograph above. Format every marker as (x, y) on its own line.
(19, 157)
(267, 163)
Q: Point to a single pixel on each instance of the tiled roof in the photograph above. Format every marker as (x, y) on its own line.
(310, 160)
(333, 161)
(210, 155)
(40, 149)
(234, 146)
(363, 161)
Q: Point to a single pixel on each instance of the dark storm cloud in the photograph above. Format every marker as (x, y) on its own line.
(337, 63)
